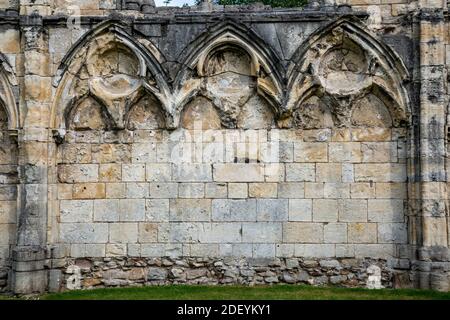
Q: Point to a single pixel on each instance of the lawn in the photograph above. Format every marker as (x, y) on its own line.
(277, 292)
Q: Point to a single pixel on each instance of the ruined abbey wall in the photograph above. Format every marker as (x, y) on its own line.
(212, 144)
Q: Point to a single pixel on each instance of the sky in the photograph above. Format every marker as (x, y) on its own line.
(175, 2)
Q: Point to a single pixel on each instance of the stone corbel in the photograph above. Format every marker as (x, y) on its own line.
(59, 135)
(14, 135)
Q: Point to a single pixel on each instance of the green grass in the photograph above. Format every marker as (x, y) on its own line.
(278, 292)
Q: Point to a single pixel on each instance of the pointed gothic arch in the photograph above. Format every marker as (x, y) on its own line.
(83, 71)
(346, 61)
(265, 65)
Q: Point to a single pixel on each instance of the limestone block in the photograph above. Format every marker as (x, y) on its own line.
(216, 190)
(263, 250)
(115, 190)
(261, 232)
(345, 152)
(190, 209)
(315, 250)
(371, 134)
(286, 151)
(300, 172)
(233, 210)
(192, 172)
(132, 209)
(291, 190)
(237, 190)
(78, 173)
(76, 153)
(348, 173)
(179, 232)
(379, 251)
(340, 135)
(7, 233)
(148, 232)
(221, 233)
(329, 172)
(362, 232)
(335, 233)
(274, 172)
(116, 250)
(204, 250)
(379, 152)
(87, 250)
(300, 210)
(303, 232)
(143, 152)
(157, 210)
(392, 233)
(434, 231)
(163, 190)
(285, 250)
(38, 89)
(158, 172)
(345, 250)
(133, 249)
(362, 190)
(266, 152)
(111, 172)
(123, 232)
(237, 172)
(325, 210)
(382, 172)
(152, 250)
(36, 63)
(76, 210)
(10, 193)
(106, 210)
(353, 210)
(8, 211)
(314, 190)
(389, 210)
(84, 232)
(191, 190)
(10, 41)
(133, 172)
(272, 209)
(65, 191)
(390, 190)
(336, 190)
(89, 191)
(311, 152)
(262, 190)
(137, 190)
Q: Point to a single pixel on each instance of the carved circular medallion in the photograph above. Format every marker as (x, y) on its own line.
(343, 71)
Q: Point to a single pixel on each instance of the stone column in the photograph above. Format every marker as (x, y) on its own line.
(29, 274)
(434, 253)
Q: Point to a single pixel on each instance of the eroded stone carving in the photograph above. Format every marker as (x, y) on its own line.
(370, 111)
(146, 114)
(200, 114)
(313, 114)
(354, 77)
(115, 71)
(87, 115)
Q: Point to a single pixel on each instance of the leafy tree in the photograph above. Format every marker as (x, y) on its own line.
(273, 3)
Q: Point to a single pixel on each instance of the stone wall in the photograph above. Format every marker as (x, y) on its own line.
(216, 144)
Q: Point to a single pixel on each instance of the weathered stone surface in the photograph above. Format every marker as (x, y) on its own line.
(154, 154)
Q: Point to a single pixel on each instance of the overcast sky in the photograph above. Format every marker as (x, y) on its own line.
(175, 2)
